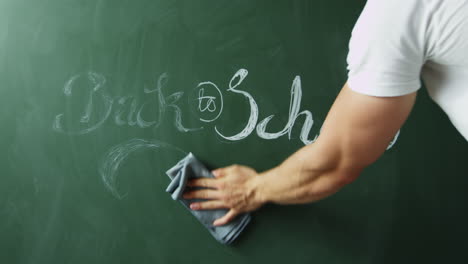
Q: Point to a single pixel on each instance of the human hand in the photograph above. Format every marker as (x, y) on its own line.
(234, 187)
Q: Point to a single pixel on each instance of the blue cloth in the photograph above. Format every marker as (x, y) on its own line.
(188, 168)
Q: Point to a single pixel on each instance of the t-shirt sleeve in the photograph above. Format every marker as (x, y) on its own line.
(386, 50)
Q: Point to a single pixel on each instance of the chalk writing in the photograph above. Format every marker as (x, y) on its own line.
(294, 106)
(209, 105)
(127, 110)
(394, 140)
(97, 88)
(252, 122)
(211, 102)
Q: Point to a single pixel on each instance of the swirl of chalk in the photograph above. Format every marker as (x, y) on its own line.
(115, 156)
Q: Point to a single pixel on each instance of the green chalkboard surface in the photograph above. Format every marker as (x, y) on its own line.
(98, 98)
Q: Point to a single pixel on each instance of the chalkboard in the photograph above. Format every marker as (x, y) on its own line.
(99, 98)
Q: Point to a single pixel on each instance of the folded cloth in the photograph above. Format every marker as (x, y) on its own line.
(188, 168)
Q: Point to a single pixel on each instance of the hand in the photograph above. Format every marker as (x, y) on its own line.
(234, 188)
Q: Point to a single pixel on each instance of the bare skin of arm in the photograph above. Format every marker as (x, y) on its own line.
(356, 132)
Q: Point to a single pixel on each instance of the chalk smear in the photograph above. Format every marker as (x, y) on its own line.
(115, 157)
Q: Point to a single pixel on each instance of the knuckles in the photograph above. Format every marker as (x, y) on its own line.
(234, 168)
(221, 185)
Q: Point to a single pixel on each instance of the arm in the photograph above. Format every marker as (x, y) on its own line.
(356, 132)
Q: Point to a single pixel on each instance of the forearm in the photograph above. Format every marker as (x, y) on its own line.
(310, 174)
(355, 134)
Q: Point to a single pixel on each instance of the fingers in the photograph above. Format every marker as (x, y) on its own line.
(226, 218)
(218, 173)
(209, 182)
(221, 172)
(202, 182)
(208, 205)
(202, 194)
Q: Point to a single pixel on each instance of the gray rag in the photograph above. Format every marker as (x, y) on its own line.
(188, 168)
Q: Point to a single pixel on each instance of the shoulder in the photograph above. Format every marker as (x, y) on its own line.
(387, 47)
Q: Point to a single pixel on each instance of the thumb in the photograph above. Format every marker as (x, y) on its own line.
(226, 218)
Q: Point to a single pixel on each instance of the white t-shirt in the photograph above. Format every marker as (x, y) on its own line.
(395, 42)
